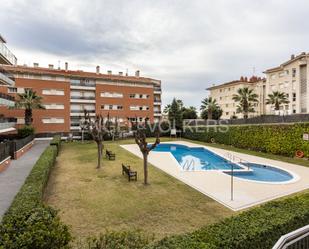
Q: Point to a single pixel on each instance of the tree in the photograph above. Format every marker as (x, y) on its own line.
(28, 100)
(210, 105)
(277, 98)
(98, 129)
(168, 107)
(216, 115)
(140, 139)
(189, 112)
(246, 98)
(175, 114)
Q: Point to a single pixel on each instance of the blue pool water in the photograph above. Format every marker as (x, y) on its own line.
(199, 158)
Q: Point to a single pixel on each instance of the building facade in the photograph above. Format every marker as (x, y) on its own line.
(291, 77)
(66, 94)
(224, 93)
(7, 124)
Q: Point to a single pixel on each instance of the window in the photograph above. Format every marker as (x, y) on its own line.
(139, 96)
(294, 84)
(12, 90)
(294, 96)
(220, 98)
(112, 107)
(226, 105)
(294, 72)
(52, 92)
(111, 95)
(54, 106)
(227, 113)
(273, 76)
(53, 120)
(286, 84)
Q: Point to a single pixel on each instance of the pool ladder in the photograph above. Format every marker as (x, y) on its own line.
(235, 159)
(189, 165)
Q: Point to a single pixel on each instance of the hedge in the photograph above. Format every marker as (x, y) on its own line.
(276, 139)
(56, 141)
(258, 228)
(29, 223)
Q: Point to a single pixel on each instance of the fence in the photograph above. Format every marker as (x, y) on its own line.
(265, 119)
(4, 151)
(298, 239)
(13, 145)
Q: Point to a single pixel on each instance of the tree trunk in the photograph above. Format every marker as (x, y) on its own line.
(209, 114)
(28, 116)
(145, 168)
(99, 145)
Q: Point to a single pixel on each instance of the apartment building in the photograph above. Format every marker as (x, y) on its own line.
(67, 93)
(224, 93)
(7, 58)
(291, 77)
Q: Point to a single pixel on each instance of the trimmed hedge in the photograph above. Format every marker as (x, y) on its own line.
(276, 139)
(258, 228)
(56, 141)
(29, 223)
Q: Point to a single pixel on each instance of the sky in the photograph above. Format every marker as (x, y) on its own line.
(188, 45)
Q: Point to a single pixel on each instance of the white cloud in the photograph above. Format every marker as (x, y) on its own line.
(187, 44)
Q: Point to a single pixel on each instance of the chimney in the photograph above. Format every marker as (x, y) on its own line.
(137, 73)
(66, 67)
(109, 72)
(50, 66)
(35, 64)
(120, 73)
(98, 69)
(292, 56)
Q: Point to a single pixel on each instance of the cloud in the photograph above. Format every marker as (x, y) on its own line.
(189, 45)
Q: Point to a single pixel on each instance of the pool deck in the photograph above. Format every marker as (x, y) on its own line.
(217, 184)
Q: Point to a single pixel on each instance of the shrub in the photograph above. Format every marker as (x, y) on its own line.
(276, 139)
(257, 228)
(56, 141)
(119, 240)
(29, 223)
(25, 131)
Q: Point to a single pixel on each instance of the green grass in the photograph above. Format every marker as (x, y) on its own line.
(298, 161)
(91, 200)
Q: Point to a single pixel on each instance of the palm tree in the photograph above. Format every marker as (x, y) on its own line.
(28, 100)
(210, 105)
(277, 98)
(246, 98)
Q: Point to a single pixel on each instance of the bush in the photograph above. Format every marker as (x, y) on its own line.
(29, 223)
(257, 228)
(56, 141)
(25, 131)
(119, 240)
(276, 139)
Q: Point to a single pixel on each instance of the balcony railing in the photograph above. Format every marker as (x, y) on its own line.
(83, 97)
(82, 111)
(7, 97)
(6, 123)
(87, 84)
(157, 100)
(6, 80)
(7, 54)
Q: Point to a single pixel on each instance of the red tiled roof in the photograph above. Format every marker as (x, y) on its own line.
(78, 73)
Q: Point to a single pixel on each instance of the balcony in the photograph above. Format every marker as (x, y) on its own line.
(83, 97)
(7, 124)
(157, 113)
(6, 100)
(5, 80)
(6, 56)
(157, 101)
(157, 90)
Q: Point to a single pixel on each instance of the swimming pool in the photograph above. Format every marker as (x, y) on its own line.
(201, 159)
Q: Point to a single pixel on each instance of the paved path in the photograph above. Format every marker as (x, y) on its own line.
(14, 176)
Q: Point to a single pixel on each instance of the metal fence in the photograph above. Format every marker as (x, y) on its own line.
(4, 151)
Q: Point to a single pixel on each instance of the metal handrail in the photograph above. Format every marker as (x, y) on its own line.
(232, 158)
(298, 239)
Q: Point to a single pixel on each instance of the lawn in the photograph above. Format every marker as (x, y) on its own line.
(91, 200)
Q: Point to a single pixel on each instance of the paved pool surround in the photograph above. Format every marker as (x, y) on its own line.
(217, 185)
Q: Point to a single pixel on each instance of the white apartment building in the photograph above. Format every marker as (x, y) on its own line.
(224, 93)
(290, 78)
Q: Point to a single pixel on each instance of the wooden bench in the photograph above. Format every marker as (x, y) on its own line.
(110, 155)
(131, 174)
